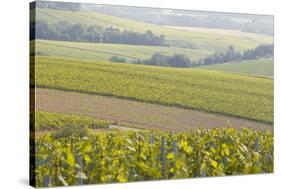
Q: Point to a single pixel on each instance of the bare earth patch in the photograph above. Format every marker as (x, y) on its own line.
(136, 114)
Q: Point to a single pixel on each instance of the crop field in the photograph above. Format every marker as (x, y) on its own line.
(263, 67)
(51, 120)
(114, 99)
(231, 94)
(134, 114)
(109, 105)
(201, 40)
(139, 156)
(103, 52)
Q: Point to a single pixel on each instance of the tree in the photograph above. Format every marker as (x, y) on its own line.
(118, 59)
(259, 51)
(94, 33)
(177, 60)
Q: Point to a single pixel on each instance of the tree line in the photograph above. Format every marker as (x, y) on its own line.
(158, 59)
(176, 60)
(181, 60)
(65, 31)
(231, 55)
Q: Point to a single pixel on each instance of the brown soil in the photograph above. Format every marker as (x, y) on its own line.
(136, 114)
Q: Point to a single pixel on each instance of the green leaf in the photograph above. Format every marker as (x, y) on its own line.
(171, 156)
(214, 163)
(70, 159)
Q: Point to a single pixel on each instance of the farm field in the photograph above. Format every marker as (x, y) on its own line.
(263, 67)
(103, 52)
(52, 121)
(201, 40)
(241, 96)
(230, 32)
(139, 156)
(128, 113)
(113, 99)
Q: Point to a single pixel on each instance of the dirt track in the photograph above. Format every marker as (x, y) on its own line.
(135, 114)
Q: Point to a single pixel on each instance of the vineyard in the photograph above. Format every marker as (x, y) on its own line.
(128, 98)
(136, 156)
(50, 121)
(230, 94)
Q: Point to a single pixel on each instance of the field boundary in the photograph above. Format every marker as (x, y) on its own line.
(269, 125)
(150, 102)
(91, 50)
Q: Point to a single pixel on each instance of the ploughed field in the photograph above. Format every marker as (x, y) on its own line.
(72, 109)
(208, 91)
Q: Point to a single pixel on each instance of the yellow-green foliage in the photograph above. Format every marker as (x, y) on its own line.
(231, 94)
(48, 120)
(137, 156)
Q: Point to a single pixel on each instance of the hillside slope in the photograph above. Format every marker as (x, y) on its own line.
(103, 52)
(135, 114)
(201, 40)
(211, 91)
(263, 67)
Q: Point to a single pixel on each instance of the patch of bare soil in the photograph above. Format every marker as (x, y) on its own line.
(135, 114)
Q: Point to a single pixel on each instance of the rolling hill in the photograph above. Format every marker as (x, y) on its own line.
(103, 52)
(211, 91)
(204, 39)
(263, 67)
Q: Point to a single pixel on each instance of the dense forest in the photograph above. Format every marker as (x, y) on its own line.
(65, 31)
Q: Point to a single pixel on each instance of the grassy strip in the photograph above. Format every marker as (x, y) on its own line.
(103, 52)
(261, 67)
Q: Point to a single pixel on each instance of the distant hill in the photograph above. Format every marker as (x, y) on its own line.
(103, 52)
(175, 17)
(263, 67)
(203, 39)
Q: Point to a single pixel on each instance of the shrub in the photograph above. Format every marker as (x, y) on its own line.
(117, 59)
